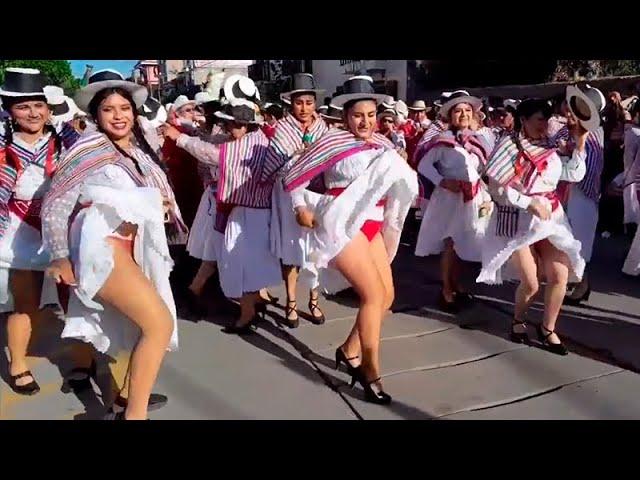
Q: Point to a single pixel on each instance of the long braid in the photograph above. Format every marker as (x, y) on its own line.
(144, 145)
(56, 138)
(8, 139)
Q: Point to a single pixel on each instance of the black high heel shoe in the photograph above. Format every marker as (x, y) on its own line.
(248, 327)
(557, 348)
(446, 306)
(518, 337)
(373, 393)
(194, 307)
(30, 388)
(85, 374)
(114, 416)
(156, 402)
(464, 299)
(313, 307)
(270, 300)
(577, 301)
(342, 358)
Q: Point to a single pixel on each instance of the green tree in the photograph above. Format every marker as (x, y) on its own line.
(58, 72)
(568, 70)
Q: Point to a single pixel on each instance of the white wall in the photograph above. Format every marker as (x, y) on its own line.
(329, 73)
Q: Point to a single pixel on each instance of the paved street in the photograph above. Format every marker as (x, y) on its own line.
(436, 366)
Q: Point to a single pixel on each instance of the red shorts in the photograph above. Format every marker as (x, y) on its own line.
(370, 227)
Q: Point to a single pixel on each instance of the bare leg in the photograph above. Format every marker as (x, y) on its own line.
(556, 268)
(26, 288)
(447, 261)
(147, 310)
(356, 262)
(525, 263)
(206, 270)
(247, 308)
(290, 276)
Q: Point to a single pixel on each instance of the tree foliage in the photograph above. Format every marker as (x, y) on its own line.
(567, 70)
(58, 72)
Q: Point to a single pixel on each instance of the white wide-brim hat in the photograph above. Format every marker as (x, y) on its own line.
(109, 79)
(457, 97)
(240, 86)
(154, 112)
(239, 110)
(63, 109)
(181, 101)
(584, 109)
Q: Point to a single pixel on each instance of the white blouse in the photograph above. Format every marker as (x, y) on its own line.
(55, 220)
(558, 169)
(339, 175)
(452, 163)
(32, 182)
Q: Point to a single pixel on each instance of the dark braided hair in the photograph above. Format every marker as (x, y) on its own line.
(56, 138)
(8, 140)
(527, 108)
(99, 97)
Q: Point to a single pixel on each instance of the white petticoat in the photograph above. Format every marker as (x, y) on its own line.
(204, 241)
(632, 262)
(87, 319)
(497, 251)
(340, 218)
(448, 216)
(19, 249)
(246, 263)
(290, 242)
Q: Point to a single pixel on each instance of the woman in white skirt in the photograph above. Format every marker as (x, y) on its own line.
(632, 262)
(581, 199)
(529, 229)
(367, 190)
(29, 151)
(106, 220)
(245, 261)
(290, 241)
(631, 148)
(457, 213)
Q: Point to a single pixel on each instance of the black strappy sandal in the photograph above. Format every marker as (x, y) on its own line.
(85, 374)
(270, 300)
(557, 348)
(446, 306)
(518, 337)
(114, 416)
(289, 309)
(313, 307)
(156, 402)
(249, 327)
(30, 388)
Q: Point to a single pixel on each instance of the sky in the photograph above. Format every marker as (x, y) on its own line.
(123, 66)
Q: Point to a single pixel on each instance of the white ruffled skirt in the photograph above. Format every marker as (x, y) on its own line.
(87, 319)
(20, 250)
(497, 250)
(448, 216)
(204, 241)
